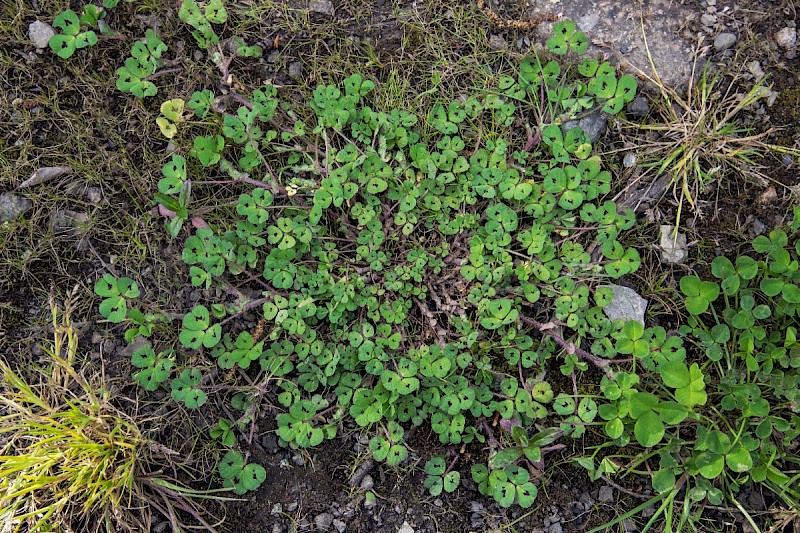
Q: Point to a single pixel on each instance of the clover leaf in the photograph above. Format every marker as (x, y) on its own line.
(699, 294)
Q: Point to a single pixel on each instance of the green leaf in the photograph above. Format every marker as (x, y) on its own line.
(63, 45)
(67, 22)
(252, 476)
(663, 481)
(215, 12)
(231, 465)
(114, 309)
(649, 430)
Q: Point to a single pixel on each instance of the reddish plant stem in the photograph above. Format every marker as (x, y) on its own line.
(568, 347)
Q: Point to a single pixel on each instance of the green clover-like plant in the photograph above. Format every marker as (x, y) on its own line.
(155, 369)
(297, 426)
(237, 475)
(699, 294)
(71, 37)
(186, 388)
(198, 331)
(566, 37)
(145, 59)
(223, 432)
(438, 477)
(115, 292)
(388, 446)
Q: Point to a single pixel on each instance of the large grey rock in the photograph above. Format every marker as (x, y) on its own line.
(12, 206)
(614, 30)
(39, 33)
(723, 41)
(626, 305)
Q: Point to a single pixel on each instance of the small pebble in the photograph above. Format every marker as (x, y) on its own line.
(295, 70)
(496, 42)
(39, 33)
(339, 525)
(323, 521)
(94, 195)
(367, 483)
(708, 20)
(606, 494)
(787, 37)
(629, 160)
(405, 528)
(724, 41)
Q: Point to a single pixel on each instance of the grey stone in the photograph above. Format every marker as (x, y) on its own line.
(323, 7)
(614, 28)
(626, 304)
(94, 194)
(12, 206)
(66, 221)
(724, 41)
(270, 443)
(39, 33)
(629, 160)
(593, 125)
(276, 509)
(323, 521)
(556, 528)
(638, 107)
(629, 525)
(339, 525)
(295, 69)
(496, 42)
(787, 37)
(708, 20)
(673, 246)
(755, 69)
(605, 494)
(405, 528)
(367, 483)
(292, 507)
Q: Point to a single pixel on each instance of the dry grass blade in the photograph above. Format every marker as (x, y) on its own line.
(697, 138)
(70, 458)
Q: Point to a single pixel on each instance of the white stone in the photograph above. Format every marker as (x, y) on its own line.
(787, 37)
(39, 33)
(626, 305)
(405, 528)
(673, 246)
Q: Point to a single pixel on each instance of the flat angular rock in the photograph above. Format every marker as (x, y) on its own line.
(673, 247)
(626, 305)
(723, 41)
(12, 206)
(39, 33)
(324, 7)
